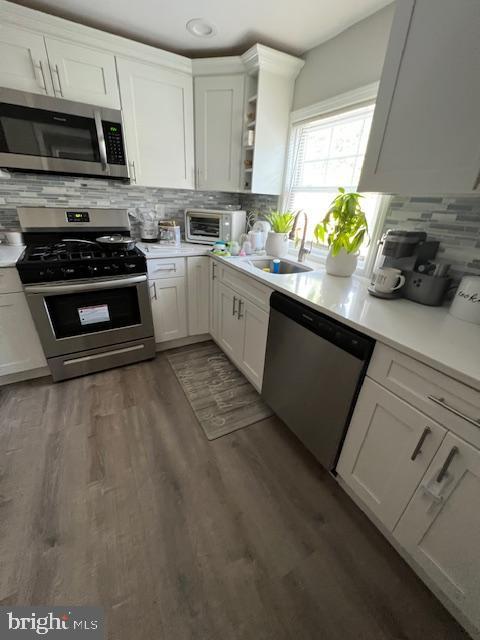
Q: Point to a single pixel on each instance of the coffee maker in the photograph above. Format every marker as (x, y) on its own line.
(411, 252)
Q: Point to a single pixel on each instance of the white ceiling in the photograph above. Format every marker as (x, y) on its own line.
(293, 26)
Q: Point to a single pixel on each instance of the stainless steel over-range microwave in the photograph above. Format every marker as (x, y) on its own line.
(41, 133)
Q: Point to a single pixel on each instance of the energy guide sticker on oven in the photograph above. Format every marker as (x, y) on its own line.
(92, 315)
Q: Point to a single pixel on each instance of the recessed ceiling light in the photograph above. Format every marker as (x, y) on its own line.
(200, 28)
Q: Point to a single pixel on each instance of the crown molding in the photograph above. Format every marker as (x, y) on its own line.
(217, 66)
(362, 95)
(31, 19)
(261, 57)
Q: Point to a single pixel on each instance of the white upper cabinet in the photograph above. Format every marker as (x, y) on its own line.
(218, 131)
(83, 74)
(425, 137)
(23, 61)
(157, 108)
(440, 528)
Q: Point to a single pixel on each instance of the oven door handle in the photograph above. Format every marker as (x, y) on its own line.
(85, 286)
(101, 141)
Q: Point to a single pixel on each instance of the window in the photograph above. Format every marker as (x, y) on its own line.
(326, 153)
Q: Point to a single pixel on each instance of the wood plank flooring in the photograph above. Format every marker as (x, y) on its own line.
(110, 494)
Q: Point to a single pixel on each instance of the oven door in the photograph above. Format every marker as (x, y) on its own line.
(77, 316)
(40, 133)
(204, 227)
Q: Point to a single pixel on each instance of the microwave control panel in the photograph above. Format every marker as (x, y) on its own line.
(114, 142)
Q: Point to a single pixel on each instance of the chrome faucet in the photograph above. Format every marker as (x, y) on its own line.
(302, 252)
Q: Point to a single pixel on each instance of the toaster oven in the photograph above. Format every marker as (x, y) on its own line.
(207, 226)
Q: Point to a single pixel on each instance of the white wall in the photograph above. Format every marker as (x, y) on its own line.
(350, 60)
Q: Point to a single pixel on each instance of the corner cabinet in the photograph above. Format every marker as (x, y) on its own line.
(425, 136)
(218, 131)
(157, 106)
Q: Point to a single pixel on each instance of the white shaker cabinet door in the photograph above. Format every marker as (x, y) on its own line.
(425, 136)
(23, 61)
(157, 106)
(230, 328)
(169, 308)
(214, 298)
(440, 529)
(386, 452)
(198, 274)
(255, 323)
(218, 131)
(20, 348)
(83, 74)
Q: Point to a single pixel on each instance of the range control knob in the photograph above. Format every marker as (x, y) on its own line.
(130, 266)
(92, 270)
(68, 271)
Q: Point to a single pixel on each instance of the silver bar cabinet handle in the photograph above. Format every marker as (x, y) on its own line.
(60, 91)
(240, 314)
(40, 66)
(442, 403)
(214, 270)
(234, 305)
(418, 448)
(446, 464)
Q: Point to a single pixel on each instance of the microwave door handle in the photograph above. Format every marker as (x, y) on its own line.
(101, 141)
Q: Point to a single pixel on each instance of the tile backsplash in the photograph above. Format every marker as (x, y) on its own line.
(453, 221)
(24, 189)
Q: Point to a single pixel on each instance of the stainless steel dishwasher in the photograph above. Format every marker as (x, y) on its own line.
(314, 367)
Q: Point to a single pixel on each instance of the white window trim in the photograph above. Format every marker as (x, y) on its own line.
(342, 102)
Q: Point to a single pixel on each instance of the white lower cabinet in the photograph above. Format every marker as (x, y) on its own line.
(214, 297)
(440, 528)
(242, 333)
(254, 344)
(388, 448)
(198, 274)
(230, 330)
(169, 308)
(20, 348)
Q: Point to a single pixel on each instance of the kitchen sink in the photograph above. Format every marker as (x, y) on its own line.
(285, 266)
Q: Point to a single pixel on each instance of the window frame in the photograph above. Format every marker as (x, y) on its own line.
(358, 98)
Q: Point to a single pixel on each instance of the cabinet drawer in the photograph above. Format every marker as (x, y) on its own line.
(257, 293)
(452, 403)
(9, 280)
(165, 268)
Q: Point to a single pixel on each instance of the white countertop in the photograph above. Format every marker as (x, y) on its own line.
(429, 334)
(9, 254)
(154, 250)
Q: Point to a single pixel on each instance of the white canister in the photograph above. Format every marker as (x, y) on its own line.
(466, 303)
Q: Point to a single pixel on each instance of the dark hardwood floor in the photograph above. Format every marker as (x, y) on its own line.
(110, 494)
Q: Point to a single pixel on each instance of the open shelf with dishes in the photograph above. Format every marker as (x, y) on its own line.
(249, 129)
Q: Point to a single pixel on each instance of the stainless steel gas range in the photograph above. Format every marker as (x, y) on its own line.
(90, 302)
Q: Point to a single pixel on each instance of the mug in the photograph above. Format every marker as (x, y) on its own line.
(386, 280)
(466, 303)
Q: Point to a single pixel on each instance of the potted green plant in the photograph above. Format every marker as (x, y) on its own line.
(281, 223)
(344, 229)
